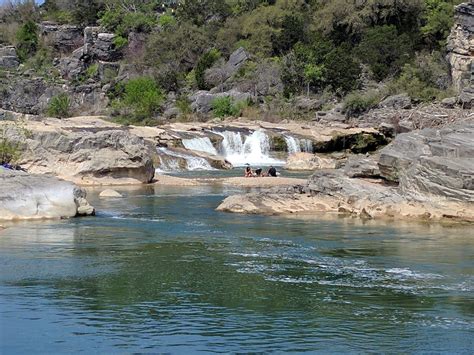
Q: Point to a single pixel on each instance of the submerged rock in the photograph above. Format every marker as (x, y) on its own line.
(27, 196)
(110, 193)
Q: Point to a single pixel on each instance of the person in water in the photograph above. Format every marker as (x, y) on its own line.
(272, 172)
(248, 171)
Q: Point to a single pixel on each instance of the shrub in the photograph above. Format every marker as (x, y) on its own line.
(120, 42)
(27, 40)
(59, 106)
(166, 20)
(356, 103)
(10, 151)
(141, 99)
(92, 70)
(341, 70)
(226, 107)
(205, 62)
(424, 79)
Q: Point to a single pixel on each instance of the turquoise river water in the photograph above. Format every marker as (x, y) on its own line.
(161, 271)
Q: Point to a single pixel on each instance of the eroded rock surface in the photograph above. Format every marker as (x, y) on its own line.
(308, 161)
(27, 196)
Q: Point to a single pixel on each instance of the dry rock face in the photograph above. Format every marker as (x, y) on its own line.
(461, 46)
(26, 196)
(432, 161)
(64, 38)
(8, 58)
(85, 155)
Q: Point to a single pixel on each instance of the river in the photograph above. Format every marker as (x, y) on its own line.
(161, 271)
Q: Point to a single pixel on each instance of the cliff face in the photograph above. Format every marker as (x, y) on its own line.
(461, 47)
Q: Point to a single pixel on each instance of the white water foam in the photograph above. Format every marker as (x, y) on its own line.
(192, 162)
(296, 145)
(253, 149)
(200, 144)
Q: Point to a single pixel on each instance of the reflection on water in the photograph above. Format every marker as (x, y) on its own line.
(160, 270)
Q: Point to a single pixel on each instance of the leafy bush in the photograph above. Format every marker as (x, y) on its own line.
(120, 42)
(10, 151)
(424, 79)
(226, 107)
(384, 50)
(205, 62)
(341, 70)
(59, 106)
(27, 40)
(356, 103)
(141, 99)
(166, 20)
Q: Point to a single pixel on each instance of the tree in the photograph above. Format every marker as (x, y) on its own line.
(27, 40)
(342, 70)
(384, 50)
(292, 32)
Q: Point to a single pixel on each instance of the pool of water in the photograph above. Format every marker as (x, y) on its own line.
(237, 172)
(161, 271)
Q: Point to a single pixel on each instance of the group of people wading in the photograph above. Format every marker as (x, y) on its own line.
(259, 172)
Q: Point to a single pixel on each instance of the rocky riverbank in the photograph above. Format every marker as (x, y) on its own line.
(426, 175)
(26, 196)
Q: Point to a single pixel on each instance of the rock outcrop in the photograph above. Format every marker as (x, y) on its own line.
(362, 166)
(26, 196)
(202, 101)
(461, 46)
(86, 154)
(64, 38)
(432, 162)
(8, 58)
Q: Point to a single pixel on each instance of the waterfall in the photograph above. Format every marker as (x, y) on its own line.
(173, 159)
(293, 144)
(253, 149)
(296, 145)
(200, 144)
(306, 145)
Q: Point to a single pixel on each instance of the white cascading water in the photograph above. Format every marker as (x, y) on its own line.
(200, 144)
(296, 145)
(253, 150)
(292, 144)
(192, 162)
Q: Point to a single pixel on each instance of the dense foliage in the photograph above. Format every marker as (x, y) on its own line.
(328, 46)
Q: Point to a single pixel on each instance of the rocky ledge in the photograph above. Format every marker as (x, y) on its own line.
(426, 175)
(85, 151)
(25, 196)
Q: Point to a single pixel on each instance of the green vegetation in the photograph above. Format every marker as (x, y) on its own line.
(27, 40)
(10, 151)
(60, 106)
(139, 100)
(328, 49)
(225, 106)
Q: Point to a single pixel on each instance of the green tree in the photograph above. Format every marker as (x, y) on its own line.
(292, 31)
(205, 62)
(27, 40)
(438, 20)
(384, 50)
(342, 70)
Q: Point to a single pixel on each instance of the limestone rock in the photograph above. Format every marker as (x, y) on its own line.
(449, 102)
(85, 155)
(27, 196)
(362, 166)
(64, 38)
(110, 193)
(8, 58)
(308, 161)
(221, 72)
(432, 162)
(461, 46)
(397, 102)
(100, 45)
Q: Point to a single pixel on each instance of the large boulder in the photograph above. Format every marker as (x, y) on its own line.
(362, 166)
(64, 38)
(221, 72)
(99, 45)
(8, 58)
(84, 154)
(27, 196)
(397, 102)
(461, 46)
(432, 162)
